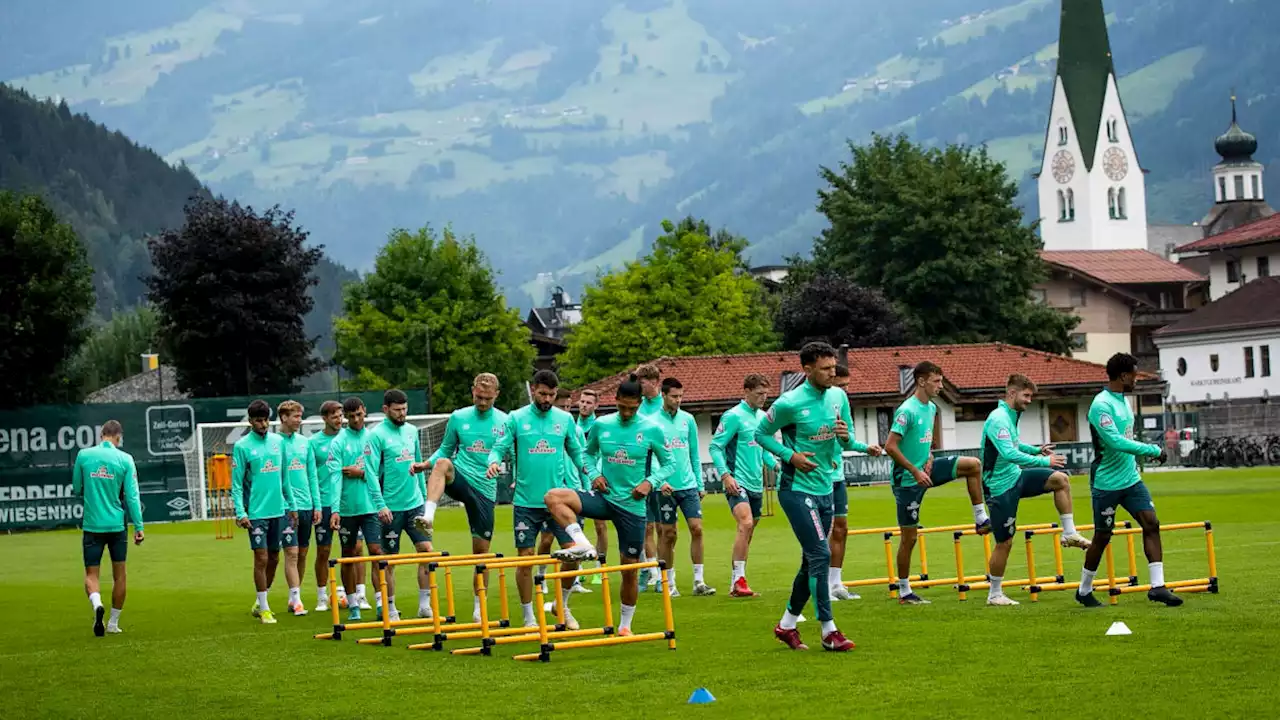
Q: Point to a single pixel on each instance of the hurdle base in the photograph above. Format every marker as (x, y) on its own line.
(1174, 586)
(535, 636)
(544, 656)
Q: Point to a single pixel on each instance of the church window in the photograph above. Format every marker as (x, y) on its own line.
(1257, 188)
(1071, 204)
(1062, 206)
(1111, 203)
(1239, 187)
(1062, 134)
(1121, 211)
(1113, 133)
(1222, 189)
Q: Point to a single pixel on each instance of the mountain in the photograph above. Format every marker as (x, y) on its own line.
(561, 132)
(115, 193)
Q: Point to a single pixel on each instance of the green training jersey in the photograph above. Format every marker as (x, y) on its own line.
(628, 453)
(734, 449)
(258, 487)
(650, 406)
(106, 478)
(300, 473)
(585, 423)
(537, 442)
(392, 451)
(1115, 452)
(681, 431)
(330, 484)
(913, 422)
(469, 436)
(807, 418)
(358, 496)
(1003, 455)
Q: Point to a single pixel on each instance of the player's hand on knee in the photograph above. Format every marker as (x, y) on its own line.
(384, 515)
(1057, 461)
(730, 485)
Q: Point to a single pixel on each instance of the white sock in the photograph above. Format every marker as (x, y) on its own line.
(1086, 581)
(904, 587)
(833, 576)
(979, 513)
(342, 591)
(391, 603)
(579, 537)
(95, 599)
(996, 582)
(322, 592)
(115, 618)
(262, 601)
(628, 612)
(424, 597)
(475, 606)
(430, 514)
(564, 597)
(828, 627)
(1068, 524)
(697, 573)
(295, 595)
(788, 621)
(671, 577)
(377, 599)
(529, 619)
(1157, 574)
(739, 569)
(360, 591)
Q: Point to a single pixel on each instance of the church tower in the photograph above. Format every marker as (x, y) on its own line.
(1092, 190)
(1238, 193)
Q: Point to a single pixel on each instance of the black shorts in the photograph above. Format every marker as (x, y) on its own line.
(115, 543)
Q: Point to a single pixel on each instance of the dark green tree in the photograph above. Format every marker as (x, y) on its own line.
(232, 288)
(114, 349)
(430, 314)
(46, 297)
(937, 231)
(833, 309)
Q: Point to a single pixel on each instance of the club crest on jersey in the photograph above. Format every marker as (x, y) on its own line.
(542, 448)
(477, 446)
(104, 473)
(640, 437)
(620, 457)
(557, 428)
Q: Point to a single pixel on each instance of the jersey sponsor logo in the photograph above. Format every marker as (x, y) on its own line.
(542, 448)
(478, 447)
(269, 467)
(620, 457)
(825, 432)
(104, 473)
(296, 464)
(676, 444)
(1106, 421)
(927, 437)
(405, 456)
(1003, 434)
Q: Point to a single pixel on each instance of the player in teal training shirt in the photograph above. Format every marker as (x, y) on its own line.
(330, 484)
(1012, 471)
(740, 463)
(106, 480)
(624, 448)
(1114, 481)
(263, 502)
(573, 479)
(650, 379)
(587, 401)
(537, 436)
(682, 493)
(358, 509)
(916, 431)
(300, 477)
(816, 424)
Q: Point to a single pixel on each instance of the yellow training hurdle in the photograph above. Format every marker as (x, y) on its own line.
(1032, 580)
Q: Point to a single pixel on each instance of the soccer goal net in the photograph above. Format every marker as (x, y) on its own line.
(212, 439)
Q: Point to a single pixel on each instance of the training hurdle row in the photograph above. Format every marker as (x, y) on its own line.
(981, 582)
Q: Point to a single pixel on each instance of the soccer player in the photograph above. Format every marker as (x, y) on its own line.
(587, 401)
(536, 436)
(622, 446)
(300, 477)
(459, 467)
(106, 479)
(393, 463)
(815, 423)
(840, 523)
(1115, 482)
(650, 379)
(330, 484)
(916, 432)
(740, 462)
(682, 492)
(1012, 471)
(573, 479)
(358, 509)
(264, 503)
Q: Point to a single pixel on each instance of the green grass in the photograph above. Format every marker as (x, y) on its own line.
(1150, 89)
(997, 19)
(192, 650)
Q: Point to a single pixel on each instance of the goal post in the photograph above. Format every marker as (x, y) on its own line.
(219, 438)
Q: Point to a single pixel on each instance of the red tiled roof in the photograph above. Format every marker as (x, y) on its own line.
(873, 371)
(1256, 305)
(1255, 233)
(1121, 267)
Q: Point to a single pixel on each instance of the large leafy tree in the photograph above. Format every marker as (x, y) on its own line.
(46, 296)
(834, 309)
(231, 287)
(113, 352)
(937, 231)
(438, 293)
(689, 296)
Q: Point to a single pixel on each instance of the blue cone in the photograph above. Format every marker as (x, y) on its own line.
(700, 697)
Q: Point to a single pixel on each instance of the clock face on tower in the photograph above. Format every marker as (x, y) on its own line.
(1064, 166)
(1115, 163)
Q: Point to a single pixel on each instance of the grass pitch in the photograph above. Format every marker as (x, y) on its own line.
(191, 649)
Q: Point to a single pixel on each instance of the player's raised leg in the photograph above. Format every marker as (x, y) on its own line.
(745, 507)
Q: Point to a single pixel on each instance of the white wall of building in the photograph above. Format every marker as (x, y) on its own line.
(1224, 182)
(1246, 260)
(1101, 346)
(1201, 382)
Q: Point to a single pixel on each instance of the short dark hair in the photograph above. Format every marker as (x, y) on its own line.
(545, 378)
(810, 353)
(669, 384)
(563, 392)
(1121, 364)
(754, 380)
(394, 397)
(259, 409)
(1018, 381)
(924, 369)
(352, 404)
(112, 428)
(588, 391)
(329, 406)
(842, 370)
(629, 388)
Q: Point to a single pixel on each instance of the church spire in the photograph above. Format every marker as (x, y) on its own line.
(1084, 65)
(1235, 145)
